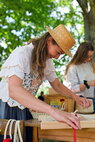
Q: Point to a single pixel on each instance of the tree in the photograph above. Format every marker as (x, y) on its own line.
(88, 12)
(20, 20)
(23, 19)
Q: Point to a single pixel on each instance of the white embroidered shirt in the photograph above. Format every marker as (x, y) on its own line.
(19, 64)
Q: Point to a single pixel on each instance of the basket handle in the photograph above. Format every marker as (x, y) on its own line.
(17, 132)
(10, 128)
(6, 128)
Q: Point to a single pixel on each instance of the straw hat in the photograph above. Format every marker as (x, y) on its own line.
(63, 38)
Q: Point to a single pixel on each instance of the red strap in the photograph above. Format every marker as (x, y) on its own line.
(74, 135)
(7, 140)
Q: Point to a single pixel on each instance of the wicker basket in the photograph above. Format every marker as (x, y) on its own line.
(41, 116)
(37, 114)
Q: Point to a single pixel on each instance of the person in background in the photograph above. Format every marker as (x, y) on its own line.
(41, 96)
(80, 72)
(24, 71)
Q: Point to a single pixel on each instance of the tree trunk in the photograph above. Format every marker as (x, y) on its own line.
(88, 11)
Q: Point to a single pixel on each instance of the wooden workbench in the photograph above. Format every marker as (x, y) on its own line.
(61, 131)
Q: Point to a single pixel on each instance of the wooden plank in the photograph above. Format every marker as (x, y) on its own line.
(32, 123)
(59, 125)
(86, 121)
(83, 135)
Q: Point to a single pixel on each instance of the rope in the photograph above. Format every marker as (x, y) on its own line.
(10, 128)
(17, 131)
(6, 128)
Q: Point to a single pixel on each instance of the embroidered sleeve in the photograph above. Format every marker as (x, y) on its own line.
(14, 65)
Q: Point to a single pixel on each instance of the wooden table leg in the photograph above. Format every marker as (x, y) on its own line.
(35, 134)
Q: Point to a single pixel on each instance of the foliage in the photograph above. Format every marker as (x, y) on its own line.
(23, 19)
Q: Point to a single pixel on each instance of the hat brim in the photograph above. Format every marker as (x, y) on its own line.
(51, 33)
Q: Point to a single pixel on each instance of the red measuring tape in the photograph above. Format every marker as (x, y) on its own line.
(74, 132)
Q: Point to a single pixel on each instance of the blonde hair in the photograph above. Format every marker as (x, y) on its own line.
(80, 55)
(40, 54)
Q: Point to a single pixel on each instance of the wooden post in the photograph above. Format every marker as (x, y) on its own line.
(35, 134)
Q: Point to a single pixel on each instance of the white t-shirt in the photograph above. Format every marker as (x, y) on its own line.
(19, 64)
(76, 76)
